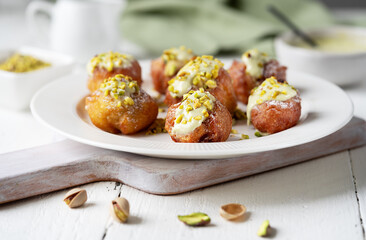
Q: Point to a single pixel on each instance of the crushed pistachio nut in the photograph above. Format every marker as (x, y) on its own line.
(258, 134)
(170, 68)
(120, 87)
(239, 114)
(22, 63)
(200, 72)
(269, 90)
(176, 58)
(234, 131)
(157, 127)
(254, 62)
(109, 61)
(244, 136)
(193, 110)
(195, 219)
(181, 54)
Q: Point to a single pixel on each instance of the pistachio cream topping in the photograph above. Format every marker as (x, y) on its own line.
(193, 110)
(269, 90)
(120, 87)
(109, 61)
(200, 72)
(254, 61)
(175, 58)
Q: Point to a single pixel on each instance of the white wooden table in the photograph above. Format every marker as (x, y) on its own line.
(319, 199)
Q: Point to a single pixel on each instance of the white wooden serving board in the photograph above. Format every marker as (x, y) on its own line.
(67, 163)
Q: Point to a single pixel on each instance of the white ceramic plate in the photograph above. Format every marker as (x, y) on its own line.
(325, 109)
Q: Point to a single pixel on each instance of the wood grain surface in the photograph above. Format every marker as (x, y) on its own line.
(67, 163)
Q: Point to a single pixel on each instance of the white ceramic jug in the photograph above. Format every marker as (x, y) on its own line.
(81, 28)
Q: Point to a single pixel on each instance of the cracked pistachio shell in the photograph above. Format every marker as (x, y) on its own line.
(75, 197)
(232, 211)
(120, 209)
(263, 230)
(195, 219)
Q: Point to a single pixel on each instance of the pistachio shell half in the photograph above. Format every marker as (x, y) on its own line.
(232, 211)
(120, 209)
(75, 197)
(195, 219)
(263, 230)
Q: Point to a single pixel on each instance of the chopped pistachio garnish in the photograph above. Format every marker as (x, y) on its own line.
(258, 134)
(269, 90)
(109, 61)
(120, 87)
(170, 68)
(176, 58)
(239, 114)
(22, 63)
(192, 112)
(244, 136)
(234, 131)
(198, 73)
(157, 127)
(181, 54)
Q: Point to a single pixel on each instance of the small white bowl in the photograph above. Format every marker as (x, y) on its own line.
(17, 89)
(339, 68)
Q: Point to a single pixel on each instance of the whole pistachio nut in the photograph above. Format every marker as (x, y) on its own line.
(195, 219)
(120, 209)
(232, 211)
(263, 230)
(75, 197)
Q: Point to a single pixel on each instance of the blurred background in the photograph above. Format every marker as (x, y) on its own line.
(221, 27)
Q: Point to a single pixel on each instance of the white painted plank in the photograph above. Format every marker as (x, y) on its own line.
(48, 217)
(19, 130)
(313, 200)
(358, 161)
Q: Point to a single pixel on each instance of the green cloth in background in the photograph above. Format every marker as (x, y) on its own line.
(210, 26)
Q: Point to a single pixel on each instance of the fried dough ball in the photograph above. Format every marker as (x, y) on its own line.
(274, 106)
(166, 67)
(119, 105)
(106, 65)
(198, 118)
(252, 71)
(203, 72)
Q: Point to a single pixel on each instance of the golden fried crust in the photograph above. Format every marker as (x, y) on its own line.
(106, 115)
(160, 80)
(169, 100)
(216, 128)
(275, 116)
(242, 82)
(99, 74)
(224, 92)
